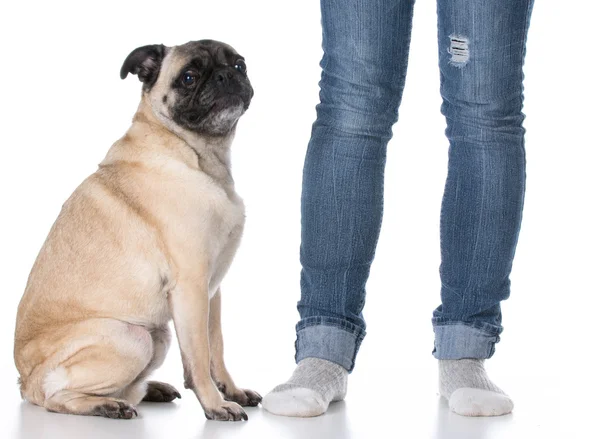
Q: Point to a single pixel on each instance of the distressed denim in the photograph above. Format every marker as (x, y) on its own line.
(365, 54)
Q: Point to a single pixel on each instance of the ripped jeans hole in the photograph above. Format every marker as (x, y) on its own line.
(459, 50)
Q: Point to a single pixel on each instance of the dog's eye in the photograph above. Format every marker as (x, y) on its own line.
(240, 66)
(188, 78)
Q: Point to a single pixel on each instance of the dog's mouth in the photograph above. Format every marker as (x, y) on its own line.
(219, 117)
(214, 115)
(229, 100)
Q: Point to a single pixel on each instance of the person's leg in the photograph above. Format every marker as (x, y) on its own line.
(365, 46)
(481, 53)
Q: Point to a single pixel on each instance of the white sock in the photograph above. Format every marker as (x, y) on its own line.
(314, 384)
(469, 391)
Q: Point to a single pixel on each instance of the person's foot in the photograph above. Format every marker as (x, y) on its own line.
(469, 391)
(314, 384)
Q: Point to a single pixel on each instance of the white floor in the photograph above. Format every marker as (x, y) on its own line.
(406, 407)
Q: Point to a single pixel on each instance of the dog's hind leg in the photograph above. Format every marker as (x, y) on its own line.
(86, 382)
(154, 391)
(75, 403)
(160, 392)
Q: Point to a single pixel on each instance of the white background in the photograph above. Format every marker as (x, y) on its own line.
(63, 105)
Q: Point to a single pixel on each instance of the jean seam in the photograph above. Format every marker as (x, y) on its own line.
(474, 325)
(344, 325)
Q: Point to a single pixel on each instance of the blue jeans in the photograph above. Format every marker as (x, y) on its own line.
(365, 45)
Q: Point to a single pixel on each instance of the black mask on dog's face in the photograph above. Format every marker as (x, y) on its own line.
(202, 86)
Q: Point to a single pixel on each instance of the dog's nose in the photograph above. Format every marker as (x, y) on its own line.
(223, 77)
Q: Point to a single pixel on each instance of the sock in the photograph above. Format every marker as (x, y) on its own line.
(314, 384)
(469, 391)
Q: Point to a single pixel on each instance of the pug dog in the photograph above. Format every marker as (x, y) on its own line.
(145, 239)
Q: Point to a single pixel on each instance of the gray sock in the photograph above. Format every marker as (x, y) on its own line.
(469, 391)
(314, 384)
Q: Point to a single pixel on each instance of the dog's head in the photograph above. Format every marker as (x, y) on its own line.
(201, 86)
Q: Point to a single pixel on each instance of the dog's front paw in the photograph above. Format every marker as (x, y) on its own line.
(227, 411)
(244, 397)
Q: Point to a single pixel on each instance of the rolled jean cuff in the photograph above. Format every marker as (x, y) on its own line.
(328, 338)
(454, 341)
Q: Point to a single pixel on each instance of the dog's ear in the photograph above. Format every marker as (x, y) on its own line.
(144, 62)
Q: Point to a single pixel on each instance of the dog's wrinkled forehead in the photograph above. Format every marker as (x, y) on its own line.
(212, 53)
(220, 52)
